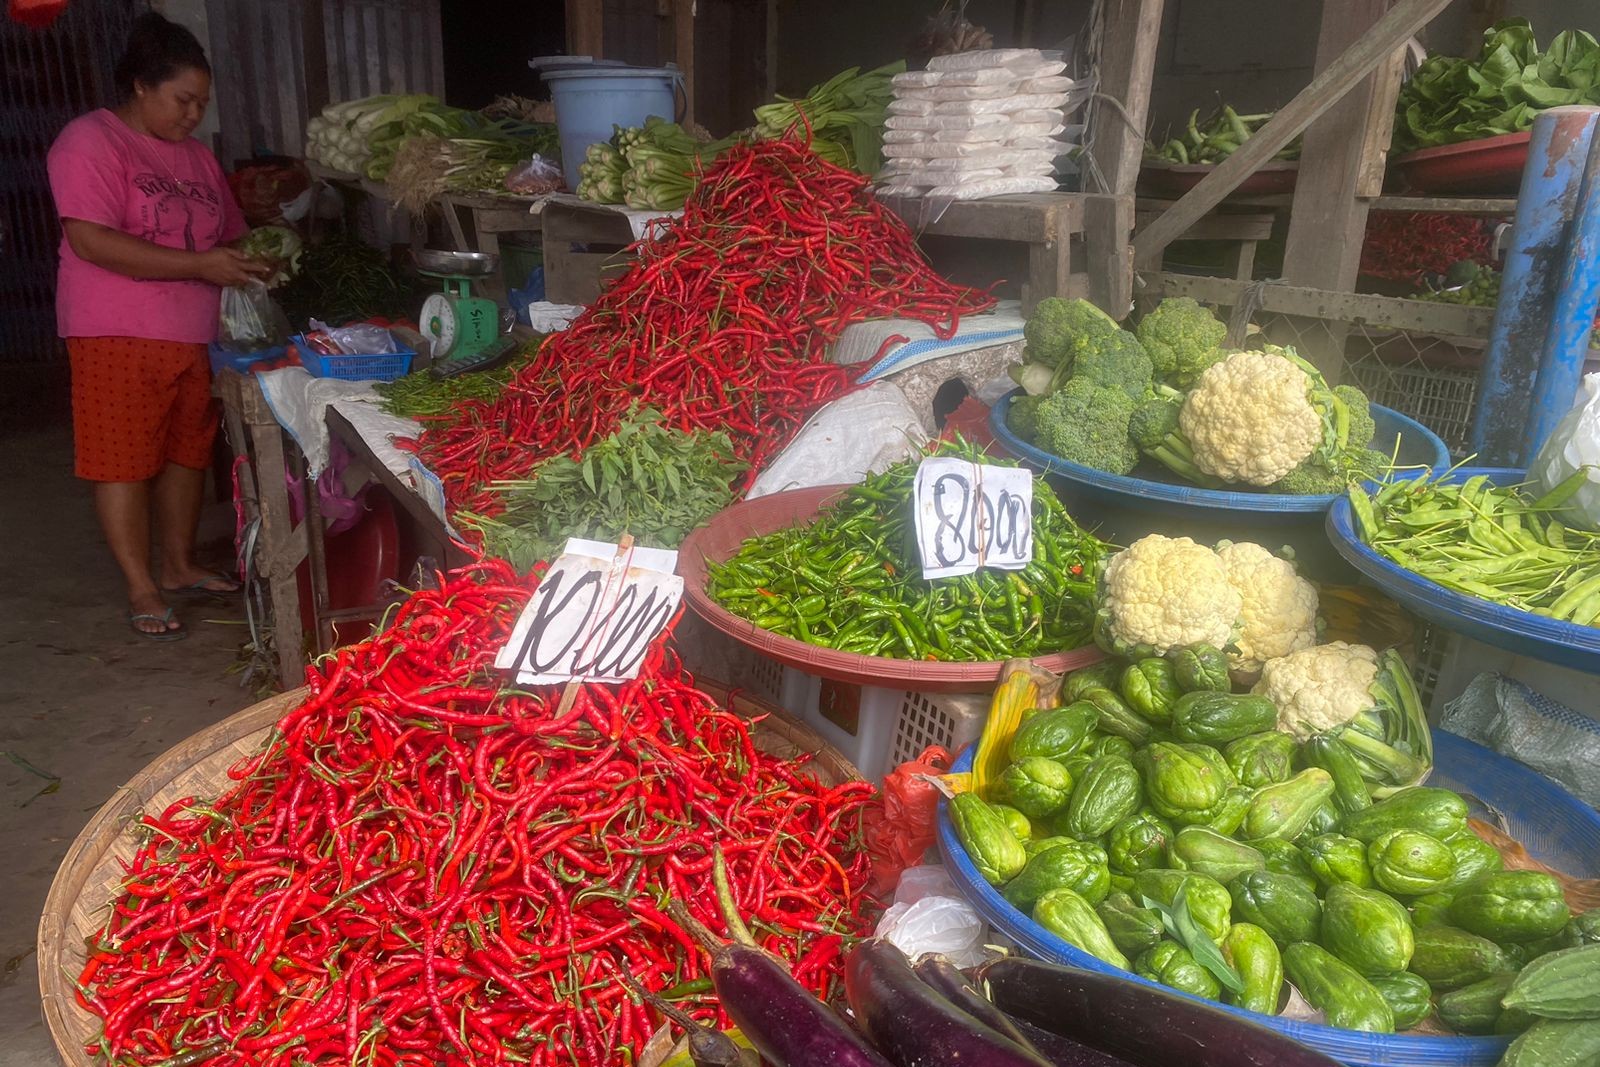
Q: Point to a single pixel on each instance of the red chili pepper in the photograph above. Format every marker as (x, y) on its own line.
(425, 866)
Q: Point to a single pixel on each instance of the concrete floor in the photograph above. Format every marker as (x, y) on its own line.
(81, 697)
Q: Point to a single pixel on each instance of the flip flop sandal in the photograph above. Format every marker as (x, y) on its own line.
(156, 635)
(199, 590)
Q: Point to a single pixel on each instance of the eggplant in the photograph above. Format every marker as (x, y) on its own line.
(913, 1024)
(707, 1047)
(1148, 1027)
(785, 1023)
(947, 980)
(1063, 1051)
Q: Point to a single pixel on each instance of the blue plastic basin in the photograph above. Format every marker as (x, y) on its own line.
(1563, 643)
(1554, 825)
(1124, 509)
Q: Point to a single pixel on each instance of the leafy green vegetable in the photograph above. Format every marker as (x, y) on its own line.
(646, 479)
(421, 394)
(1450, 99)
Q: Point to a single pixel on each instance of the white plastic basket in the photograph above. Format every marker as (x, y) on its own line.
(878, 729)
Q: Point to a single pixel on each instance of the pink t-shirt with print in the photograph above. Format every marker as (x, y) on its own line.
(174, 195)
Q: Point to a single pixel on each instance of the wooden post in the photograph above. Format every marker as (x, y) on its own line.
(1341, 169)
(1129, 34)
(585, 25)
(1343, 159)
(314, 52)
(683, 52)
(1325, 90)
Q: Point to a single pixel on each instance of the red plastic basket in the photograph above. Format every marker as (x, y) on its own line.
(720, 539)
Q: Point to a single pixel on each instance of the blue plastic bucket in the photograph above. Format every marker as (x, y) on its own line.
(590, 100)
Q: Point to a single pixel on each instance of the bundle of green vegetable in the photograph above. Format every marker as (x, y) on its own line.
(277, 246)
(421, 395)
(341, 137)
(1500, 543)
(1500, 91)
(1155, 819)
(1216, 139)
(843, 116)
(341, 279)
(851, 580)
(648, 480)
(1104, 397)
(650, 167)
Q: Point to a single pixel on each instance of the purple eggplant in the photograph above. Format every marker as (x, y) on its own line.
(947, 980)
(1146, 1027)
(913, 1024)
(1063, 1051)
(785, 1023)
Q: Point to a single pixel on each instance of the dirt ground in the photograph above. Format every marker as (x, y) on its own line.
(82, 700)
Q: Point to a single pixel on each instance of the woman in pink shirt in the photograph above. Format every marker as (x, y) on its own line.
(146, 217)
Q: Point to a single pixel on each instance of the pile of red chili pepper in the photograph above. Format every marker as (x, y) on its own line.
(427, 865)
(721, 323)
(1402, 246)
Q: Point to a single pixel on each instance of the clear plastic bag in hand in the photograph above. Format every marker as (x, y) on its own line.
(249, 320)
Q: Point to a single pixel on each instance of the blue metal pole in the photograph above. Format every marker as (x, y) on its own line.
(1572, 317)
(1557, 152)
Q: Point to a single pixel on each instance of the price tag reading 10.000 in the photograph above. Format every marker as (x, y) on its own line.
(594, 615)
(972, 515)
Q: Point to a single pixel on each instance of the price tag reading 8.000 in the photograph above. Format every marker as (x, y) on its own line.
(972, 515)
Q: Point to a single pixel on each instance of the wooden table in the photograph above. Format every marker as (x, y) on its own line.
(582, 242)
(1046, 222)
(429, 530)
(282, 544)
(476, 222)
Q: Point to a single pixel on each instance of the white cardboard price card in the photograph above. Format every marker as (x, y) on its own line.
(972, 515)
(594, 615)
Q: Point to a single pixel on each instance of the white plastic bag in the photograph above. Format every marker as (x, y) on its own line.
(992, 187)
(930, 915)
(865, 431)
(1575, 443)
(948, 122)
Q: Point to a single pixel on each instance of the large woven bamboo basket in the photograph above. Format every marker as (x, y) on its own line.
(91, 874)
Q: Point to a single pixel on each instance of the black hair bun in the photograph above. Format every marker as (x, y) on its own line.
(157, 49)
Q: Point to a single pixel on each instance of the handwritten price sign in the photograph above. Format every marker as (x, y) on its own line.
(972, 515)
(594, 615)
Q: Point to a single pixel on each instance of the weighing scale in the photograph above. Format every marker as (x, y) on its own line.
(465, 330)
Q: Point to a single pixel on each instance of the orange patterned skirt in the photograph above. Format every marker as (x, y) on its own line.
(139, 404)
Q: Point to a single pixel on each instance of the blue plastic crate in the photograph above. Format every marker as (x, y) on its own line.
(380, 368)
(1555, 826)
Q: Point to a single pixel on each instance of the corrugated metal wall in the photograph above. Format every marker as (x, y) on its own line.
(47, 78)
(371, 46)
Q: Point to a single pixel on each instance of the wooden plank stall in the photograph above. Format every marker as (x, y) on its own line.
(477, 221)
(1047, 223)
(1243, 227)
(581, 242)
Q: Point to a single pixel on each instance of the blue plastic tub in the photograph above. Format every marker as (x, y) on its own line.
(591, 99)
(1124, 509)
(1563, 643)
(1556, 827)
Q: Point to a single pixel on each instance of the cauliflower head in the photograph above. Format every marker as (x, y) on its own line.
(1250, 420)
(1279, 615)
(1319, 688)
(1162, 593)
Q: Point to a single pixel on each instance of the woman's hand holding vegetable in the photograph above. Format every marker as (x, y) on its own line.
(226, 266)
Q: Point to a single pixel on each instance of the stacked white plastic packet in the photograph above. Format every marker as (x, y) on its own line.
(976, 124)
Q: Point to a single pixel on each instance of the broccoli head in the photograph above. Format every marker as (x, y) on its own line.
(1060, 330)
(1317, 477)
(1154, 431)
(1088, 424)
(1359, 411)
(1116, 360)
(1023, 415)
(1182, 338)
